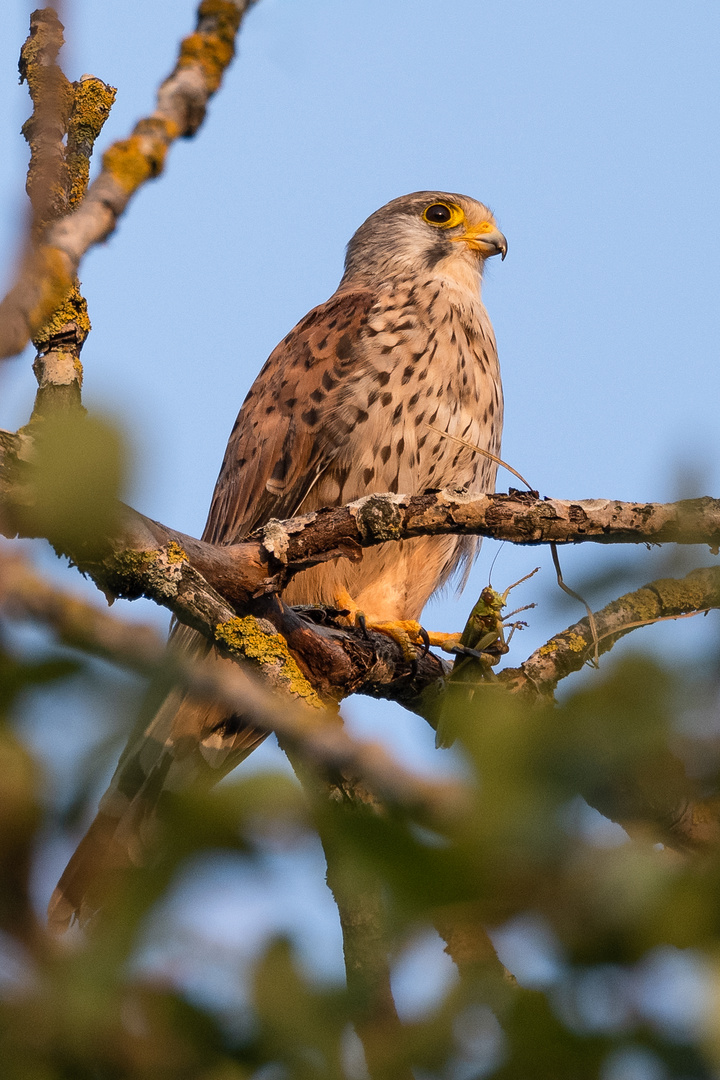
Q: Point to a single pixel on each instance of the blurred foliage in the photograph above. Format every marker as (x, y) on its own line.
(528, 854)
(70, 495)
(630, 929)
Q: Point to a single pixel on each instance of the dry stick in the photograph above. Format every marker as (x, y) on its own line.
(45, 277)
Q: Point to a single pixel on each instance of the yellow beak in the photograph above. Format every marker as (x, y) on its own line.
(485, 238)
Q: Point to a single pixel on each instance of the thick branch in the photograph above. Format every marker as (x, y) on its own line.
(47, 273)
(265, 562)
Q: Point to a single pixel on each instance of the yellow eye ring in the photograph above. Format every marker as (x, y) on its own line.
(443, 215)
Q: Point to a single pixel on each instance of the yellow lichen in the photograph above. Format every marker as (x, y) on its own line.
(575, 642)
(209, 52)
(133, 161)
(175, 553)
(93, 100)
(126, 571)
(52, 271)
(246, 637)
(212, 50)
(155, 572)
(72, 314)
(549, 647)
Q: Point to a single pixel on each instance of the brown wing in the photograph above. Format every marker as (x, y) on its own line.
(290, 426)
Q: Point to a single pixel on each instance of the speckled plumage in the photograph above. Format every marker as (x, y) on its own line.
(345, 406)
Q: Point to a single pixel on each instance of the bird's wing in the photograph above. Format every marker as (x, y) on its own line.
(291, 426)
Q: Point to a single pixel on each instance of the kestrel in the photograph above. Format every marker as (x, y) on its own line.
(354, 400)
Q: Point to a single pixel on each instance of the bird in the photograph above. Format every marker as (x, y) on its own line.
(386, 387)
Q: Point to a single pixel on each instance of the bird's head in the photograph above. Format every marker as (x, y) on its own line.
(428, 231)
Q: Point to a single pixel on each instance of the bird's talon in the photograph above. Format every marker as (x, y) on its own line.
(425, 638)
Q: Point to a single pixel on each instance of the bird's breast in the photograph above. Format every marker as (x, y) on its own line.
(430, 377)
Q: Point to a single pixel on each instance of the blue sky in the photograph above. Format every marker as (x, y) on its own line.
(591, 130)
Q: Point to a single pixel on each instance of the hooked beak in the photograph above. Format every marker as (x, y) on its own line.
(485, 238)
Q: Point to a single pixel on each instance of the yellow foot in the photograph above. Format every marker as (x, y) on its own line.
(408, 633)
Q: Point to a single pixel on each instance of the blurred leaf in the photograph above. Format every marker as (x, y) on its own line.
(18, 675)
(77, 475)
(300, 1026)
(540, 1047)
(20, 818)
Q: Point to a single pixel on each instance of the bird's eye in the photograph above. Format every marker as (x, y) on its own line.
(444, 215)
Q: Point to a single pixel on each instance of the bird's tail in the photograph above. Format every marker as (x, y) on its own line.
(187, 742)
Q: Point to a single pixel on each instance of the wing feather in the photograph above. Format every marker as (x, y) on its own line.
(291, 424)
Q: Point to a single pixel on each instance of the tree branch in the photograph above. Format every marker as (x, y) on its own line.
(47, 272)
(265, 562)
(205, 584)
(666, 598)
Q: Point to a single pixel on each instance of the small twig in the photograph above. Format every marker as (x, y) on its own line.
(650, 622)
(480, 450)
(576, 596)
(665, 598)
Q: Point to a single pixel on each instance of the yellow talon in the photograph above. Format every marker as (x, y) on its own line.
(408, 633)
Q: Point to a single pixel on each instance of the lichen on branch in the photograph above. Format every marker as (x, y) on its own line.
(45, 276)
(66, 119)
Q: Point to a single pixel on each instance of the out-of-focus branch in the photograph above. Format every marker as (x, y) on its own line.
(315, 736)
(45, 131)
(363, 919)
(467, 941)
(47, 273)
